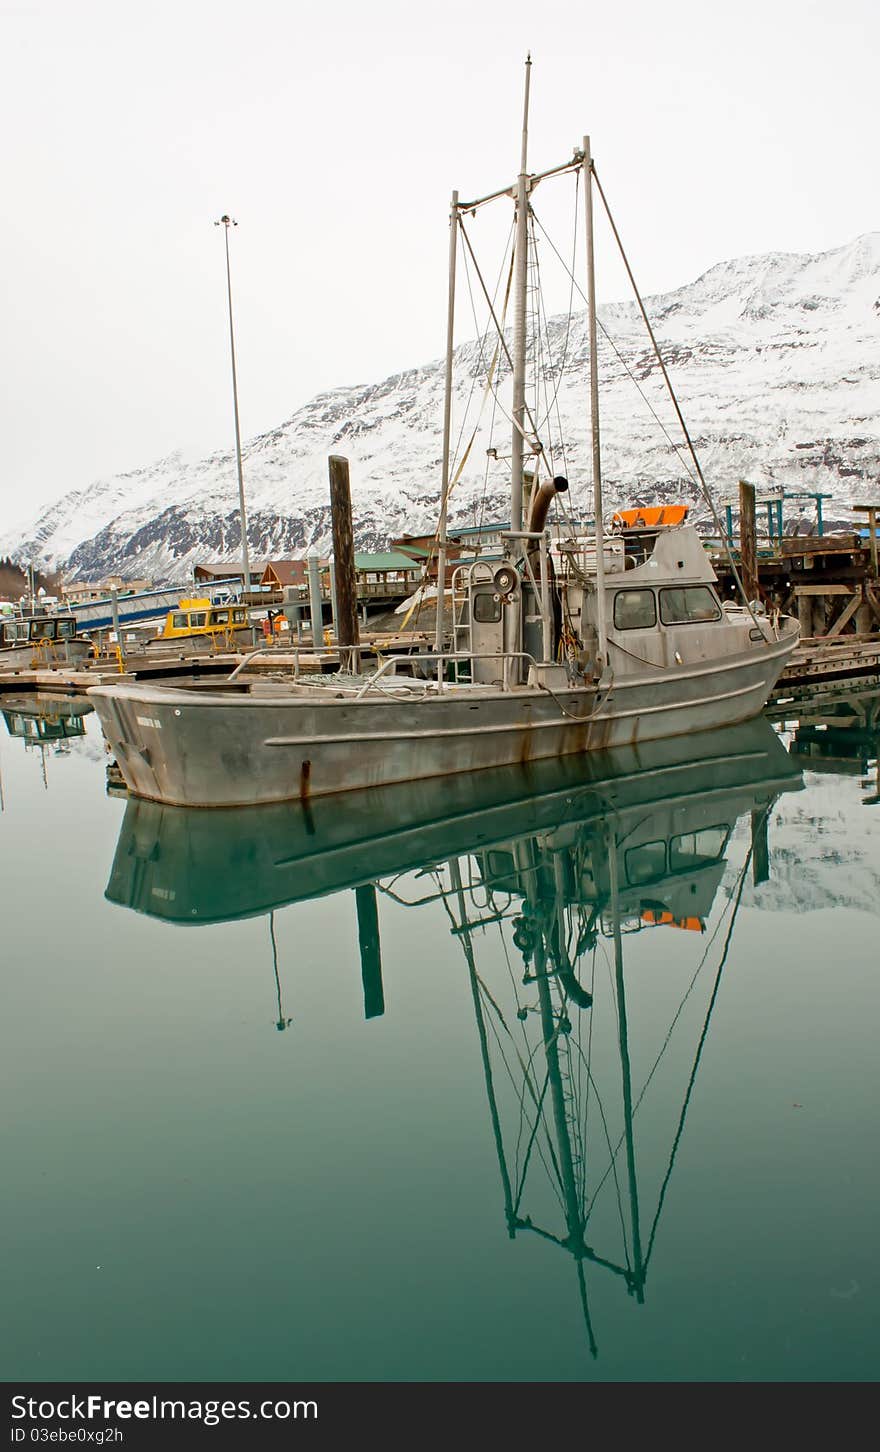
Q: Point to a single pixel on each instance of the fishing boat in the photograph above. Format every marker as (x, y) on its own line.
(588, 642)
(199, 623)
(33, 640)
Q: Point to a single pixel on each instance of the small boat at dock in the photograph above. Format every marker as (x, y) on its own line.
(42, 640)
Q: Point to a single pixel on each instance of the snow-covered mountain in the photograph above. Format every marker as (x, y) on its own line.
(775, 359)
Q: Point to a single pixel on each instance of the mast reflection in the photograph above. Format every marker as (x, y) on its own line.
(46, 724)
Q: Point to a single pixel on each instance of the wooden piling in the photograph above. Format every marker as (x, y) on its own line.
(748, 539)
(343, 556)
(371, 952)
(760, 847)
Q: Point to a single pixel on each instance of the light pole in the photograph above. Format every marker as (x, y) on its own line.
(226, 223)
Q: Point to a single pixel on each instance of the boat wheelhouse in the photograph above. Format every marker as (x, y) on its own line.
(45, 639)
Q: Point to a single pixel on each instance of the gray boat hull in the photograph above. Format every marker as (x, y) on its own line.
(218, 749)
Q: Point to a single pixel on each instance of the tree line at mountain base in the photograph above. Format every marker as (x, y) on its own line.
(14, 581)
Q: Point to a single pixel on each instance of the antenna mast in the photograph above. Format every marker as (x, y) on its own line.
(226, 222)
(519, 319)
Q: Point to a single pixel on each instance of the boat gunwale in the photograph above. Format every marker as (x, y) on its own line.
(176, 696)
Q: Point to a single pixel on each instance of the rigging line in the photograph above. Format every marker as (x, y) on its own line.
(508, 416)
(478, 989)
(481, 339)
(542, 352)
(706, 493)
(488, 389)
(552, 1168)
(626, 368)
(684, 1107)
(528, 1086)
(582, 1286)
(534, 440)
(577, 184)
(532, 1140)
(482, 510)
(612, 1163)
(701, 965)
(487, 1068)
(417, 607)
(482, 334)
(570, 272)
(525, 1063)
(589, 1060)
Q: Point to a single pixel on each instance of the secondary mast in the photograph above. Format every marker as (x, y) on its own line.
(447, 428)
(601, 623)
(519, 320)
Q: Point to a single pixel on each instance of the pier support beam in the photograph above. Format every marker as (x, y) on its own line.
(805, 615)
(748, 539)
(315, 603)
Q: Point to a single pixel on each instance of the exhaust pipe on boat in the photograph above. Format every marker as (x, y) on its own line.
(542, 500)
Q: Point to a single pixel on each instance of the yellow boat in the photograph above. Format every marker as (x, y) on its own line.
(199, 619)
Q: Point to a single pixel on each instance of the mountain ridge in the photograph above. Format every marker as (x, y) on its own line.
(775, 359)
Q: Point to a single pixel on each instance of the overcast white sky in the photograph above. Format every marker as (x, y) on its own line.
(334, 133)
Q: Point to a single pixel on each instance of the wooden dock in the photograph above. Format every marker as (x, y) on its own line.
(287, 659)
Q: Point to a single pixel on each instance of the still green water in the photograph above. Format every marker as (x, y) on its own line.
(566, 1076)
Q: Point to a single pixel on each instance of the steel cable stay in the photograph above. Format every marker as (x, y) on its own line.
(533, 442)
(498, 1018)
(623, 363)
(693, 453)
(731, 908)
(457, 466)
(569, 270)
(482, 337)
(712, 1000)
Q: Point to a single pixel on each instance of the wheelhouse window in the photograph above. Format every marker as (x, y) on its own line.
(220, 617)
(634, 610)
(645, 863)
(238, 617)
(179, 622)
(688, 605)
(66, 629)
(487, 608)
(697, 849)
(199, 618)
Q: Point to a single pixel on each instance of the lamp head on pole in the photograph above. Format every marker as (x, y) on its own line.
(226, 222)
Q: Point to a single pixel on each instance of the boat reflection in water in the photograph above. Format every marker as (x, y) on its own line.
(45, 720)
(563, 860)
(46, 723)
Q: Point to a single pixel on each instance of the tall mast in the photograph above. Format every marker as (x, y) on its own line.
(447, 423)
(519, 319)
(601, 624)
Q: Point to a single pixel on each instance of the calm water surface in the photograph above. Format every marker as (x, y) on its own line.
(567, 1076)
